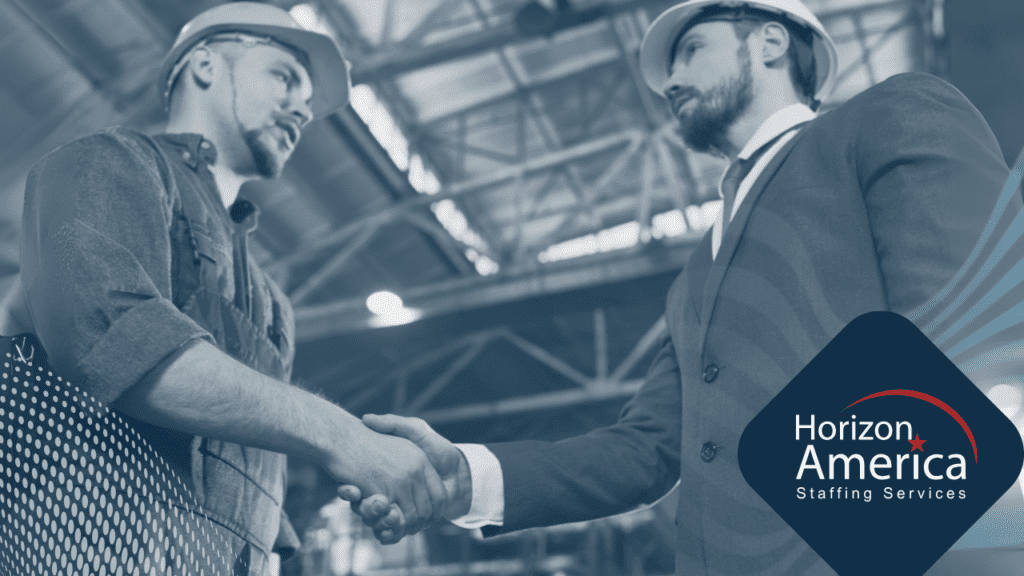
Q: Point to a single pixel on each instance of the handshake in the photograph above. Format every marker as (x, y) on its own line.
(419, 496)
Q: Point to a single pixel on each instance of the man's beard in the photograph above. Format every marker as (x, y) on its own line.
(704, 128)
(267, 159)
(266, 156)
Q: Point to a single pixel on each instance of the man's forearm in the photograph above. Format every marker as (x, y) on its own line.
(203, 391)
(200, 390)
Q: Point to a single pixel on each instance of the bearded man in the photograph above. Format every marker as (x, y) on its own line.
(138, 282)
(873, 206)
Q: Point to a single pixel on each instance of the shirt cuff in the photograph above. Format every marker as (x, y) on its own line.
(133, 345)
(487, 507)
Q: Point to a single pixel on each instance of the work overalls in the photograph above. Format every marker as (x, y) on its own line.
(220, 287)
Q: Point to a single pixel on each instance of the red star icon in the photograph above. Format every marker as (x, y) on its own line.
(917, 442)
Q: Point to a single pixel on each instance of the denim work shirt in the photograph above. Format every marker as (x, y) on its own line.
(129, 255)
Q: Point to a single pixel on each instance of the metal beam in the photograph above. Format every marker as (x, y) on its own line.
(332, 266)
(400, 58)
(648, 172)
(565, 76)
(445, 378)
(404, 57)
(398, 377)
(865, 58)
(545, 401)
(684, 190)
(547, 161)
(111, 101)
(548, 359)
(350, 315)
(432, 140)
(649, 339)
(443, 10)
(654, 112)
(352, 129)
(450, 246)
(616, 167)
(865, 55)
(826, 15)
(600, 345)
(90, 66)
(516, 247)
(531, 166)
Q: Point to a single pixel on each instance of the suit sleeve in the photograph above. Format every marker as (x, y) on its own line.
(931, 171)
(607, 471)
(96, 263)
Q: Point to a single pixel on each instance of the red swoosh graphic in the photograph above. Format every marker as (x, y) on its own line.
(932, 400)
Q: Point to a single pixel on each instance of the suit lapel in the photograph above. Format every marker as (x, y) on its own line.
(733, 233)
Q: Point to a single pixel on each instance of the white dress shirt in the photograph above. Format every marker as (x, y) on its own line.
(488, 500)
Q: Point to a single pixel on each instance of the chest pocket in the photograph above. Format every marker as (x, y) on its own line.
(203, 276)
(198, 262)
(206, 290)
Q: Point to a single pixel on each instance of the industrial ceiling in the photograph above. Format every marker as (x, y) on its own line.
(503, 169)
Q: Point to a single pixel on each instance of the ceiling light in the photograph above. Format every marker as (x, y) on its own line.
(384, 303)
(395, 318)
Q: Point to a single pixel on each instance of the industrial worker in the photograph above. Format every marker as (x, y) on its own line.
(872, 206)
(138, 283)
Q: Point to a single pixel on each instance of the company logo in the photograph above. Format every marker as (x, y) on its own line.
(881, 444)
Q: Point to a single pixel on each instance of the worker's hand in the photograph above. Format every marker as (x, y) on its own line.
(386, 519)
(389, 522)
(397, 474)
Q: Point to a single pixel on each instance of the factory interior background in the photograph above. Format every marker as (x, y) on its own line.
(485, 237)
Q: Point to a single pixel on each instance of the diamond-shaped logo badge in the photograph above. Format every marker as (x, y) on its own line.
(880, 453)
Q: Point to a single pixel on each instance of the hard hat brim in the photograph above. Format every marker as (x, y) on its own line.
(328, 69)
(659, 41)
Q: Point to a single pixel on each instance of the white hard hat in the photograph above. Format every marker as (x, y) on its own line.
(327, 68)
(656, 50)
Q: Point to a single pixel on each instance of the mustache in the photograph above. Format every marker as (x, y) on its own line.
(289, 124)
(682, 96)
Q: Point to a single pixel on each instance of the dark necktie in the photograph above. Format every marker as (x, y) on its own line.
(735, 174)
(737, 171)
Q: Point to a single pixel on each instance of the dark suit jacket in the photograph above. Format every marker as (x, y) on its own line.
(873, 206)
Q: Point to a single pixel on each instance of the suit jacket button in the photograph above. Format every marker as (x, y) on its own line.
(710, 373)
(708, 451)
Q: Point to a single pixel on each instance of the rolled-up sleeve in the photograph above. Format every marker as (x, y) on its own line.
(96, 262)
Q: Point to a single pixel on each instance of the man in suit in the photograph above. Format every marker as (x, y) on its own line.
(873, 206)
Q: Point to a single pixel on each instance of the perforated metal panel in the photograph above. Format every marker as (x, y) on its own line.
(81, 492)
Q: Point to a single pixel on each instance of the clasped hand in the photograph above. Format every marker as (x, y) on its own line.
(392, 520)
